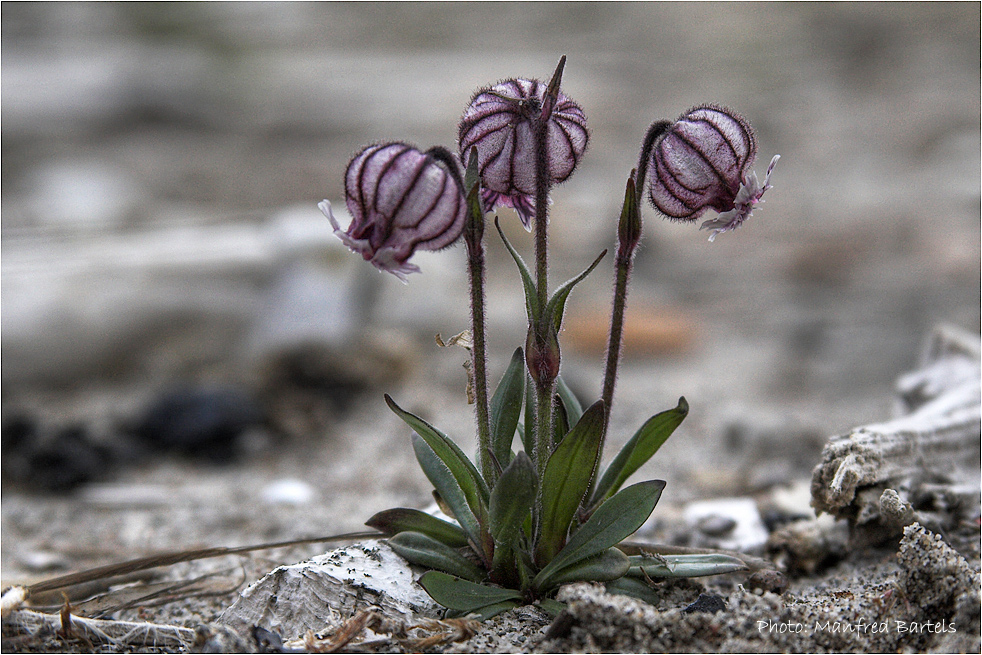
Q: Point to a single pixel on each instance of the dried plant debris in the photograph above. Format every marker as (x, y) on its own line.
(929, 453)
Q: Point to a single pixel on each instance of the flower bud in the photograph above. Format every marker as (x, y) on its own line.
(702, 161)
(400, 200)
(500, 122)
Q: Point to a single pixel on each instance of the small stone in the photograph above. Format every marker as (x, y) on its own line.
(768, 580)
(716, 525)
(708, 603)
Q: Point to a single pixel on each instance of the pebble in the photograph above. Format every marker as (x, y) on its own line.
(747, 533)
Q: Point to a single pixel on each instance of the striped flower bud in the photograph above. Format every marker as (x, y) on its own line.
(500, 122)
(400, 200)
(701, 162)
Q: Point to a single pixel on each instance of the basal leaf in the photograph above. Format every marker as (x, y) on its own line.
(484, 613)
(463, 595)
(512, 499)
(608, 565)
(639, 449)
(448, 490)
(551, 606)
(506, 408)
(635, 588)
(418, 548)
(393, 521)
(565, 480)
(470, 481)
(557, 304)
(615, 520)
(685, 566)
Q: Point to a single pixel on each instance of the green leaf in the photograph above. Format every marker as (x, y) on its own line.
(486, 612)
(635, 588)
(506, 408)
(393, 521)
(574, 409)
(448, 490)
(463, 595)
(608, 565)
(531, 306)
(470, 481)
(557, 304)
(565, 480)
(685, 566)
(551, 606)
(639, 449)
(528, 426)
(511, 500)
(418, 548)
(560, 421)
(611, 523)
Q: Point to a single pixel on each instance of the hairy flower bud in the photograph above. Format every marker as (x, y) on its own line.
(500, 122)
(400, 200)
(702, 161)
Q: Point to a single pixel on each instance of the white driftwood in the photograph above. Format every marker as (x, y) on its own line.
(321, 592)
(936, 436)
(101, 631)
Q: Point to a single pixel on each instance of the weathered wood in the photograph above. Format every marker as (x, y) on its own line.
(319, 594)
(936, 439)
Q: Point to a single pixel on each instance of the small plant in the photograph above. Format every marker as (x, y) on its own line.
(527, 522)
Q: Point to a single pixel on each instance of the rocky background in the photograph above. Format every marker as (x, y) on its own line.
(190, 358)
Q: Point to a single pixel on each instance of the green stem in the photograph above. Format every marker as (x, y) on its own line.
(623, 266)
(474, 238)
(544, 386)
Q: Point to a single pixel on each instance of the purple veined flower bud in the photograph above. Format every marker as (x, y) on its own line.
(500, 122)
(401, 200)
(702, 161)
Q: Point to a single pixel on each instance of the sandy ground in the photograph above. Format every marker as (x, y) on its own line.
(161, 174)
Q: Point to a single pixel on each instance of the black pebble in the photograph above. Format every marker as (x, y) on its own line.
(205, 421)
(708, 603)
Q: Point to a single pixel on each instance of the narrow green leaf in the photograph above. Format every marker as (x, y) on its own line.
(511, 500)
(565, 480)
(506, 408)
(464, 595)
(484, 613)
(418, 548)
(447, 489)
(551, 606)
(557, 304)
(685, 566)
(464, 471)
(530, 294)
(639, 449)
(574, 409)
(393, 521)
(528, 426)
(635, 588)
(608, 565)
(611, 523)
(560, 421)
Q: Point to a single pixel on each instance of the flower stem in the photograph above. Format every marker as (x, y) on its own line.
(623, 266)
(474, 238)
(544, 384)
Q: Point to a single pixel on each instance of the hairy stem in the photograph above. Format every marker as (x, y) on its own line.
(544, 384)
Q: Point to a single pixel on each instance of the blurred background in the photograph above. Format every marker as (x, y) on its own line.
(168, 284)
